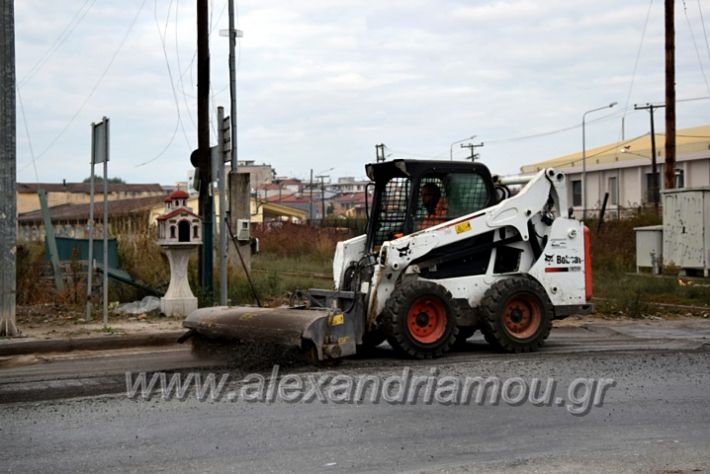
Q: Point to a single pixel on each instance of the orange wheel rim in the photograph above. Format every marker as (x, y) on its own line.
(426, 320)
(522, 316)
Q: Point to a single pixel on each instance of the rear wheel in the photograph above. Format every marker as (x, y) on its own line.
(518, 314)
(420, 320)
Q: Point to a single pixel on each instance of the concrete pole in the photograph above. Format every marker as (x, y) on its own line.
(239, 195)
(8, 169)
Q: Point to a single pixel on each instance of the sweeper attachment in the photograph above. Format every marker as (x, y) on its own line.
(448, 251)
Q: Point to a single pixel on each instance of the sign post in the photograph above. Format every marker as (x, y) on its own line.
(99, 154)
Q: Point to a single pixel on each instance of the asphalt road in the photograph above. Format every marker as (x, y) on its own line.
(655, 417)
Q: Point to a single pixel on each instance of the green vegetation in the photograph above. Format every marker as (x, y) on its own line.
(100, 179)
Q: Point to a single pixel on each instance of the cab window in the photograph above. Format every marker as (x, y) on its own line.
(445, 197)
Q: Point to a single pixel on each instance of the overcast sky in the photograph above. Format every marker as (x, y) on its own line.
(320, 82)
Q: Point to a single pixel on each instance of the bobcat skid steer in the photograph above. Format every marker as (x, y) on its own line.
(448, 250)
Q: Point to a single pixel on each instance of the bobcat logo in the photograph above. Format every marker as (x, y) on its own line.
(548, 258)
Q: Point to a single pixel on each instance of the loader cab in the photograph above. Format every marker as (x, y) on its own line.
(411, 195)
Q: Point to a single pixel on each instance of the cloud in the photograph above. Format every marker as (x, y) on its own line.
(322, 81)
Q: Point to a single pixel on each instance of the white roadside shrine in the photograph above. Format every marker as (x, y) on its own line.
(179, 233)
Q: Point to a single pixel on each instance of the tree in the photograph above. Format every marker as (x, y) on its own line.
(100, 179)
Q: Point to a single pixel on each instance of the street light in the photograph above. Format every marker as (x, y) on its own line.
(451, 147)
(584, 156)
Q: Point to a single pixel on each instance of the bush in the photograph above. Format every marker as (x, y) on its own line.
(614, 247)
(32, 286)
(289, 240)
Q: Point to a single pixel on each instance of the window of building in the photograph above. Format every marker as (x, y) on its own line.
(613, 191)
(577, 193)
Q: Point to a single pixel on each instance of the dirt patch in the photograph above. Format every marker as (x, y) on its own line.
(52, 320)
(611, 319)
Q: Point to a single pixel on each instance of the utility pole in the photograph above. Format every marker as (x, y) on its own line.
(8, 169)
(670, 95)
(203, 148)
(654, 168)
(224, 144)
(472, 147)
(310, 200)
(233, 35)
(322, 195)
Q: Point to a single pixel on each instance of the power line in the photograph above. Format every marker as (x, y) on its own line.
(705, 33)
(27, 132)
(167, 65)
(636, 61)
(695, 45)
(555, 132)
(59, 40)
(94, 88)
(578, 125)
(181, 83)
(600, 152)
(162, 152)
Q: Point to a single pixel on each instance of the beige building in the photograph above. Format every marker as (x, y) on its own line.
(260, 211)
(125, 216)
(623, 169)
(78, 193)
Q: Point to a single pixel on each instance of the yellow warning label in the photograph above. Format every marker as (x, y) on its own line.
(337, 319)
(343, 340)
(463, 227)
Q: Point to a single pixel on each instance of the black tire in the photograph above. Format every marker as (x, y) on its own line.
(517, 314)
(429, 333)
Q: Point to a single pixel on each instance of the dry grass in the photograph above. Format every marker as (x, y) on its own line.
(618, 289)
(614, 247)
(289, 240)
(300, 257)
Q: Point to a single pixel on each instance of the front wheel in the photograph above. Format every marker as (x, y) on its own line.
(420, 320)
(517, 313)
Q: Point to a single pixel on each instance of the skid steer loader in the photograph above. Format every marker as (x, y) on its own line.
(448, 251)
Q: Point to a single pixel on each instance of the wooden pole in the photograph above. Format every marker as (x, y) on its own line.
(669, 170)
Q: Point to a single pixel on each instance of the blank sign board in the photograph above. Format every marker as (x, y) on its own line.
(99, 141)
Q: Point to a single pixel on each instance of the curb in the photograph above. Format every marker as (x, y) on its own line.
(94, 343)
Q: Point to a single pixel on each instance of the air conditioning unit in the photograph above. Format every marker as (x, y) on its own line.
(243, 232)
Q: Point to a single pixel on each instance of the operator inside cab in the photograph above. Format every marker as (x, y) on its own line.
(434, 206)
